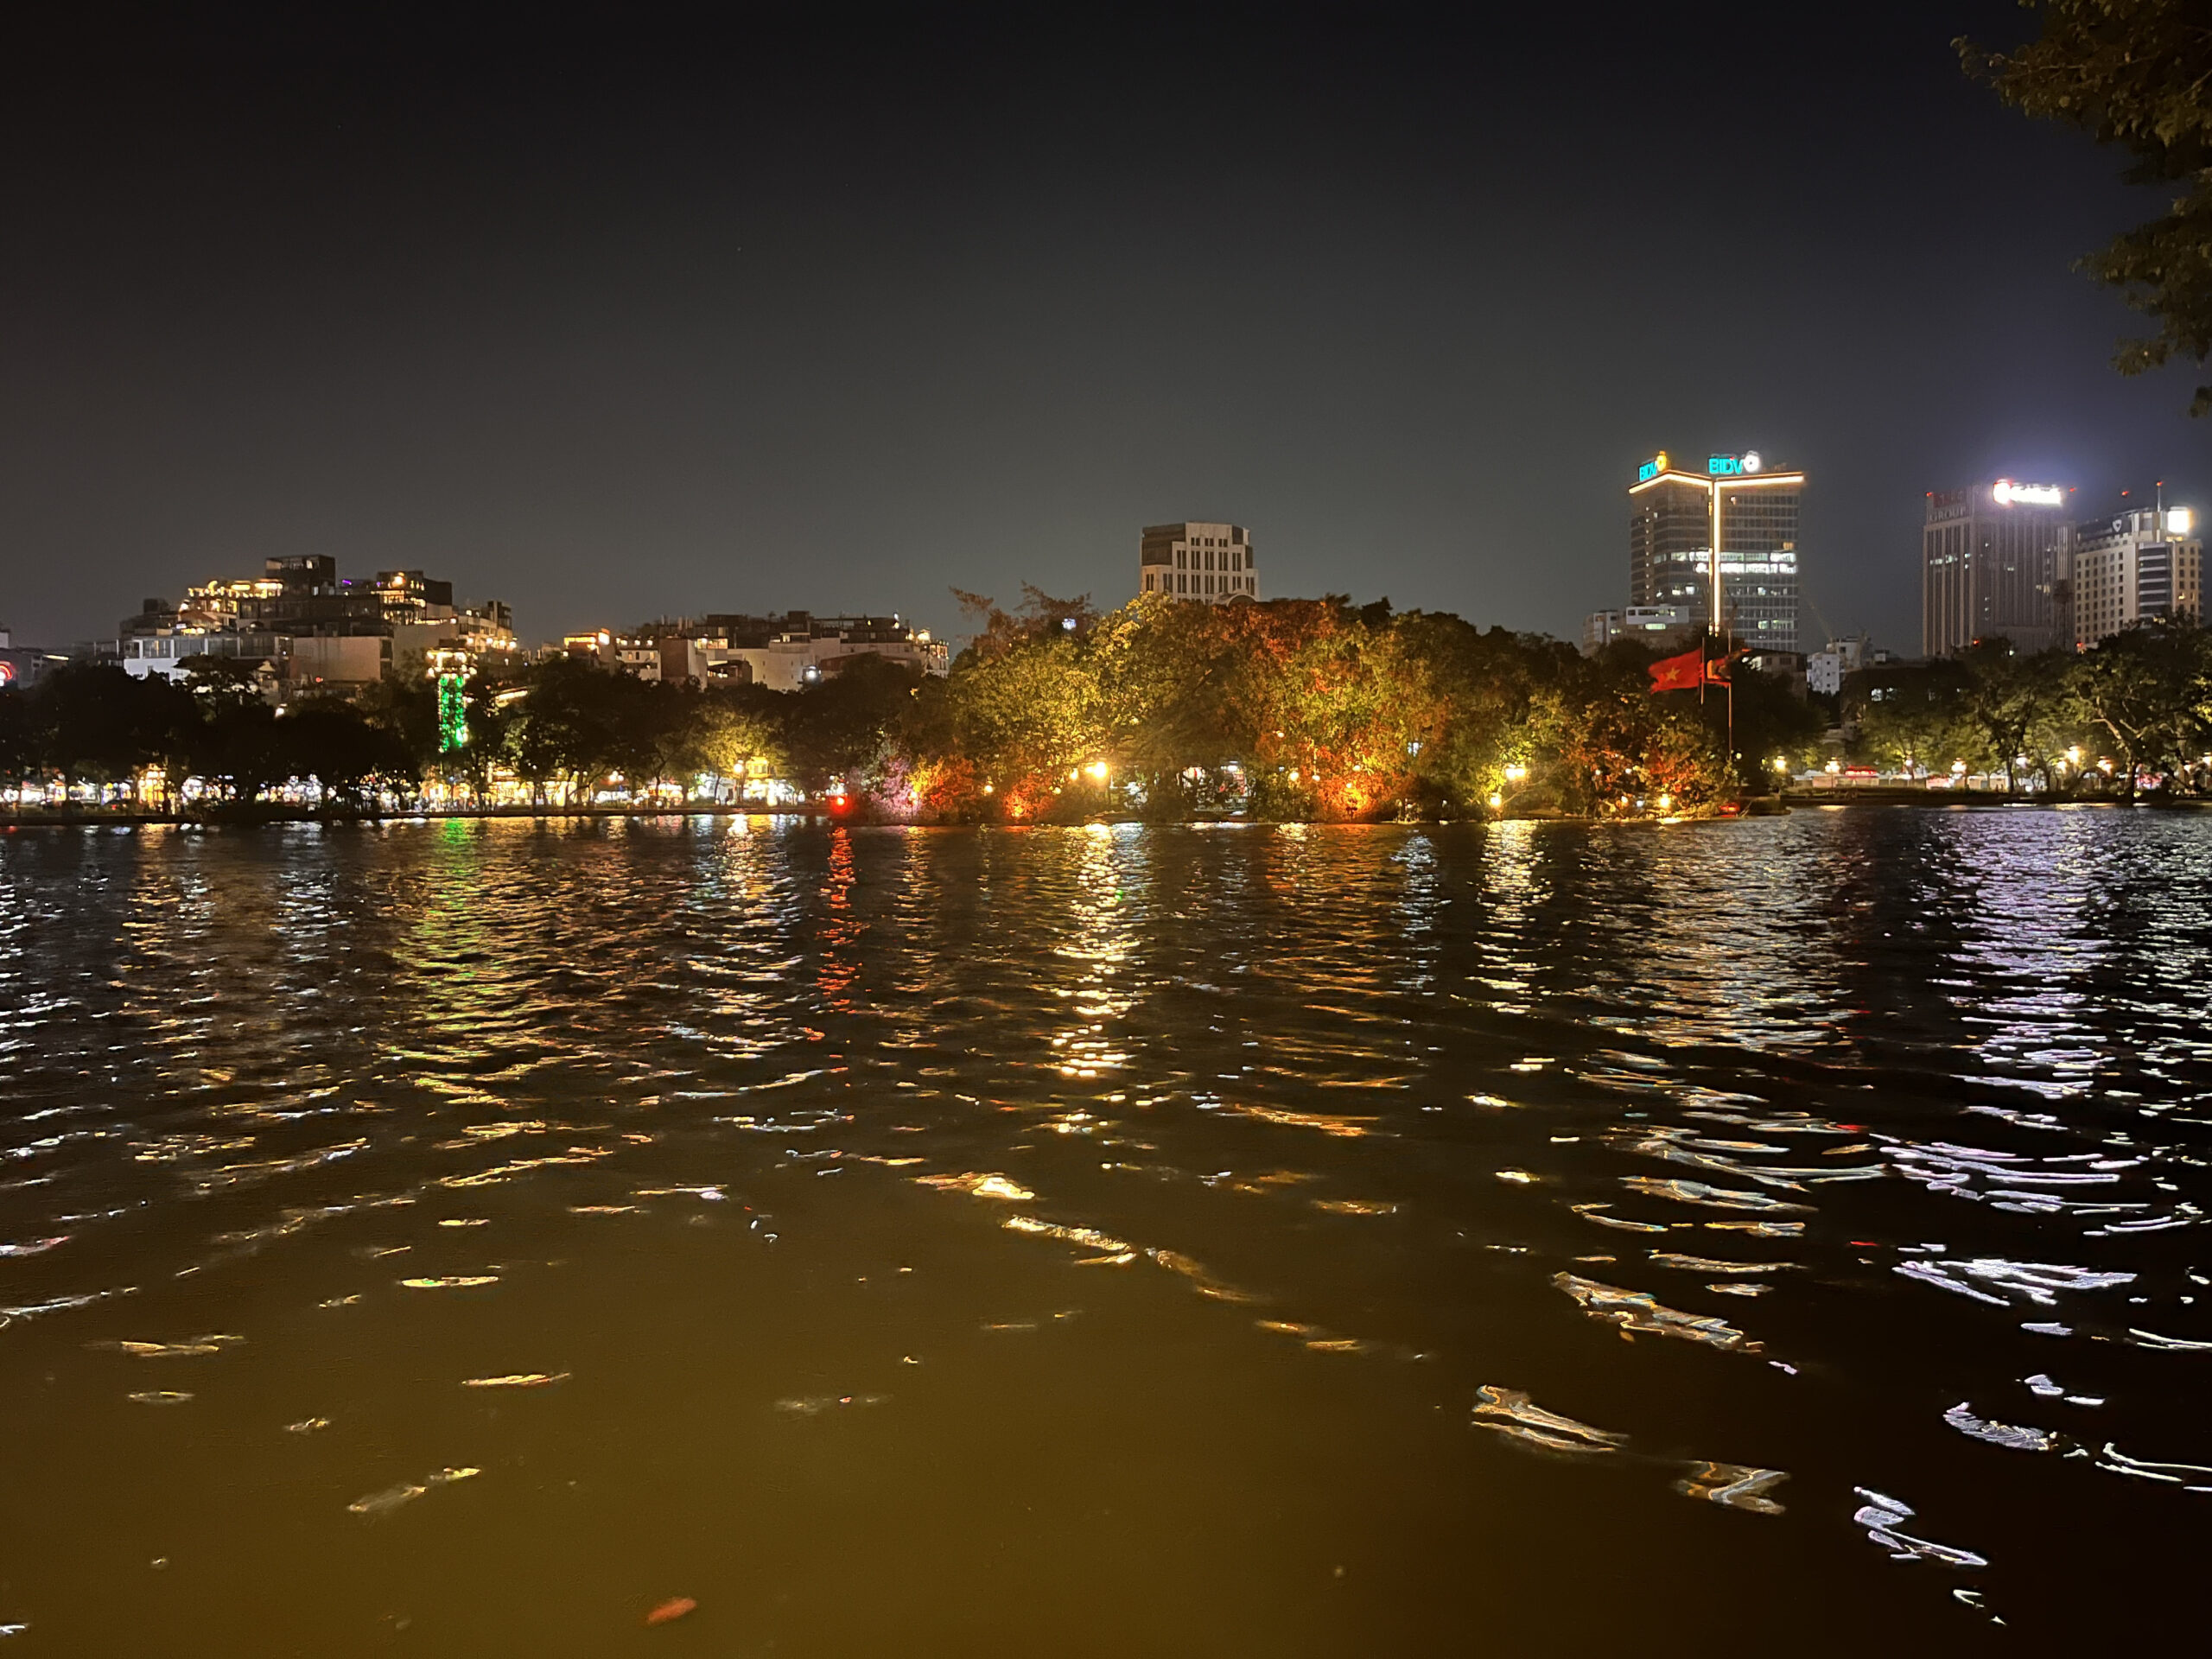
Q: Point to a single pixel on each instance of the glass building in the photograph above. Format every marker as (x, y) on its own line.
(1994, 563)
(1750, 510)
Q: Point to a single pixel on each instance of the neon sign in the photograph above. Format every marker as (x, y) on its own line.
(1652, 468)
(2006, 493)
(1733, 466)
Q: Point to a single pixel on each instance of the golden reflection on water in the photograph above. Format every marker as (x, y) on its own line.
(692, 1210)
(1097, 942)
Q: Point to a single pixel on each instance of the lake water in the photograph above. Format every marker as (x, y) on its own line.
(467, 1237)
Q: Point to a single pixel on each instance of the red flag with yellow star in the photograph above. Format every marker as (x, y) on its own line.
(1683, 673)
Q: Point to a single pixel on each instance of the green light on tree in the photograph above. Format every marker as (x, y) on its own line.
(453, 715)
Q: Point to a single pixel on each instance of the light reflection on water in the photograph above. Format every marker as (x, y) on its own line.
(1108, 1241)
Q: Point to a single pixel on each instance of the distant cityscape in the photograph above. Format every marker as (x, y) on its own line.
(2002, 559)
(1713, 546)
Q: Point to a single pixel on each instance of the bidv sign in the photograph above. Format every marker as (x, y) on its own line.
(1733, 466)
(1651, 468)
(2006, 493)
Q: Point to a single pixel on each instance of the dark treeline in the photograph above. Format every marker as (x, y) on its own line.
(1289, 708)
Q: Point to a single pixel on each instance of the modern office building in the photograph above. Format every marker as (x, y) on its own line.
(1736, 518)
(1994, 563)
(1207, 562)
(2131, 566)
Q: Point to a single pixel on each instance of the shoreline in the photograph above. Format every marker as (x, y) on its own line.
(1765, 806)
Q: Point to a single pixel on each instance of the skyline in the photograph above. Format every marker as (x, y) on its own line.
(658, 317)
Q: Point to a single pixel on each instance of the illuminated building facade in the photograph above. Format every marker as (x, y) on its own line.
(1652, 625)
(1719, 541)
(1994, 562)
(2134, 566)
(1206, 563)
(311, 626)
(785, 654)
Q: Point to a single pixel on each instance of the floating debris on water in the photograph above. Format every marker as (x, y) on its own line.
(675, 1607)
(515, 1380)
(452, 1281)
(160, 1397)
(306, 1426)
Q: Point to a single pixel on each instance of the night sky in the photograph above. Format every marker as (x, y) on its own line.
(654, 313)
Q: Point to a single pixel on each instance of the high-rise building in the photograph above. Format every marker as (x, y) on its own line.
(1735, 519)
(2136, 565)
(1994, 563)
(1208, 563)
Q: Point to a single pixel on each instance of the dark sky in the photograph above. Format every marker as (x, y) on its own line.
(833, 306)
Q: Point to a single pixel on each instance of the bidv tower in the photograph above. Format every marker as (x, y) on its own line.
(1720, 545)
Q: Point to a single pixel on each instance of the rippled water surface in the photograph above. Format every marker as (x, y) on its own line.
(467, 1237)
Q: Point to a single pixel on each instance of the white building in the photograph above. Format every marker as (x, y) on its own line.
(783, 653)
(2135, 566)
(1826, 670)
(1207, 562)
(1655, 625)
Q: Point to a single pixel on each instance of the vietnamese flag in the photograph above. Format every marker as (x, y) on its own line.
(1681, 673)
